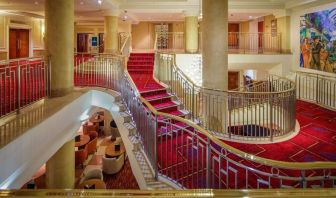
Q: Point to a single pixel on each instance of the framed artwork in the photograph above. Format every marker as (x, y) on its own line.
(318, 41)
(94, 41)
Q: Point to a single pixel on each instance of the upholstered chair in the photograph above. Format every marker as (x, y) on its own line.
(92, 146)
(80, 156)
(87, 127)
(113, 165)
(93, 135)
(95, 173)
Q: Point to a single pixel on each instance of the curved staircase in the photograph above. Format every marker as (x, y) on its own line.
(140, 66)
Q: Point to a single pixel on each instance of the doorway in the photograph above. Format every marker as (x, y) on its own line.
(101, 42)
(233, 80)
(233, 38)
(260, 34)
(82, 42)
(18, 43)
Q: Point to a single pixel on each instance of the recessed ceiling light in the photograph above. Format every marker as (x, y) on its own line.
(36, 2)
(100, 2)
(82, 2)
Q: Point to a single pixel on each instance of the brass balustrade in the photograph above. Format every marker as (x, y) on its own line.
(295, 193)
(261, 112)
(317, 88)
(22, 82)
(238, 42)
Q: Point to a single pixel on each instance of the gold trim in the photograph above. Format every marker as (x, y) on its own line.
(297, 193)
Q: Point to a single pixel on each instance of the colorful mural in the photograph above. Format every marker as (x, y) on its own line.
(318, 41)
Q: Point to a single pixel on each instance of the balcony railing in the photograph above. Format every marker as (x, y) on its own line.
(22, 82)
(191, 157)
(238, 42)
(259, 112)
(317, 88)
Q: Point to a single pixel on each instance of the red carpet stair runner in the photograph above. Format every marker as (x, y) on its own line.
(140, 67)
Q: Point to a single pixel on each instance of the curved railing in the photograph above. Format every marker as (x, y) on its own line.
(262, 112)
(191, 157)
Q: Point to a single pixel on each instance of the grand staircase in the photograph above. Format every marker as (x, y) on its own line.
(140, 67)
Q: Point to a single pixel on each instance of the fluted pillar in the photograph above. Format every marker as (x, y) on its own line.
(191, 31)
(111, 19)
(59, 15)
(215, 61)
(60, 168)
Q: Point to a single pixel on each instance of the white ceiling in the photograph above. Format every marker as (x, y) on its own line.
(154, 10)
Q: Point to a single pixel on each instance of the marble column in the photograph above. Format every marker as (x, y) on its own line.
(215, 61)
(60, 168)
(59, 15)
(111, 41)
(191, 31)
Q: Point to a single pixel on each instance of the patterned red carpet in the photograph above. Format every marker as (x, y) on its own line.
(316, 140)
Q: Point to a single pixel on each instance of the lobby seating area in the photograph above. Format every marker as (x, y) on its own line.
(106, 156)
(100, 161)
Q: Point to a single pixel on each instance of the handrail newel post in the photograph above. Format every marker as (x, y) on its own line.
(208, 161)
(18, 87)
(155, 149)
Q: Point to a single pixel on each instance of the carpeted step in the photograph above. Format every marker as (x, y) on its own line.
(141, 62)
(165, 95)
(153, 92)
(166, 105)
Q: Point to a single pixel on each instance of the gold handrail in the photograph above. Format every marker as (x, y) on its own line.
(296, 193)
(247, 156)
(315, 74)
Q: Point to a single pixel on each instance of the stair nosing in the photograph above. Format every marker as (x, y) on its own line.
(158, 98)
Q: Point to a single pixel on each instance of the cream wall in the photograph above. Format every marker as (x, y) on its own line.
(143, 34)
(295, 35)
(4, 28)
(267, 23)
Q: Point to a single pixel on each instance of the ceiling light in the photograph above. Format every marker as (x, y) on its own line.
(100, 2)
(36, 2)
(81, 2)
(250, 17)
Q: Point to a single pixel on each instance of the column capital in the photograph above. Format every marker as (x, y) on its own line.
(112, 12)
(191, 12)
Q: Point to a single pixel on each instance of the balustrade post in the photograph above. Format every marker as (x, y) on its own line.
(156, 176)
(270, 102)
(193, 97)
(208, 161)
(49, 75)
(303, 182)
(18, 87)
